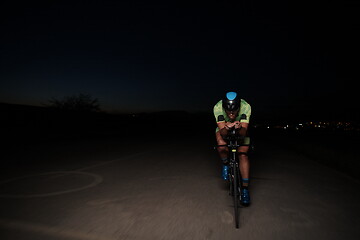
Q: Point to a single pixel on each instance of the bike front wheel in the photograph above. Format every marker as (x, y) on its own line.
(236, 195)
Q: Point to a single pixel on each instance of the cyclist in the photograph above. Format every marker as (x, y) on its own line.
(234, 112)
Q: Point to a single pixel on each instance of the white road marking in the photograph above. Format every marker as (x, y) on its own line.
(49, 231)
(97, 180)
(116, 160)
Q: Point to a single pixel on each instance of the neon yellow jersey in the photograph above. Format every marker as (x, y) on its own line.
(243, 115)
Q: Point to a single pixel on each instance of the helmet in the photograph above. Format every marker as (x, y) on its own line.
(231, 101)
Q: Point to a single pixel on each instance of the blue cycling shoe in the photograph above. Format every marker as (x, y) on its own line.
(245, 197)
(225, 172)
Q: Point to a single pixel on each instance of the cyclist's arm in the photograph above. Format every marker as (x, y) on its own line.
(243, 129)
(245, 119)
(223, 130)
(220, 120)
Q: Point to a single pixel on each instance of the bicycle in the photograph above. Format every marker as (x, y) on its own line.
(234, 173)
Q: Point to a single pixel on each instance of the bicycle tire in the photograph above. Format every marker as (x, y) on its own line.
(236, 195)
(231, 184)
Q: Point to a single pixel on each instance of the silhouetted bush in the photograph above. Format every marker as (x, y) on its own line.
(78, 103)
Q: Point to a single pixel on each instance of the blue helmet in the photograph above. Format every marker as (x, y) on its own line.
(231, 102)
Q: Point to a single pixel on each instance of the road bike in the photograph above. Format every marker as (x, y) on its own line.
(234, 142)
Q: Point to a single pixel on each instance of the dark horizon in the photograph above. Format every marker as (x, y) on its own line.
(136, 56)
(271, 115)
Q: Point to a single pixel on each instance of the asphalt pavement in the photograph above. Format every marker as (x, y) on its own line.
(114, 188)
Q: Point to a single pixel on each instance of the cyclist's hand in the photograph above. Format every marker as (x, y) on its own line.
(229, 125)
(237, 125)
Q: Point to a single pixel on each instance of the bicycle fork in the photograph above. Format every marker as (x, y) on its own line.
(234, 175)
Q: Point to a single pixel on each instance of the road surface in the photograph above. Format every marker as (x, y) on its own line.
(110, 188)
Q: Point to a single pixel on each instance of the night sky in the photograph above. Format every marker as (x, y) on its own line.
(139, 56)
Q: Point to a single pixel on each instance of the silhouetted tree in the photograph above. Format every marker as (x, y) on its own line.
(79, 103)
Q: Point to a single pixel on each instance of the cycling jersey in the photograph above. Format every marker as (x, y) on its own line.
(243, 115)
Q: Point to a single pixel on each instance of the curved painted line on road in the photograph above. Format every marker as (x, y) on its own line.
(40, 230)
(97, 180)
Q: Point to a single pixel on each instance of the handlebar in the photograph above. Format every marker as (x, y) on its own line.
(233, 136)
(232, 139)
(230, 145)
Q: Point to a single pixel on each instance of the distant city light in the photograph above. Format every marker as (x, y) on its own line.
(308, 125)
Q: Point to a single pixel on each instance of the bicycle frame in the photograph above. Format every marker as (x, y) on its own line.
(234, 173)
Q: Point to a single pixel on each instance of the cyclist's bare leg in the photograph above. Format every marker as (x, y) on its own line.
(244, 163)
(223, 151)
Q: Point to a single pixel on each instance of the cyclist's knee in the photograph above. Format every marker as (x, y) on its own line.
(222, 149)
(243, 149)
(221, 142)
(243, 156)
